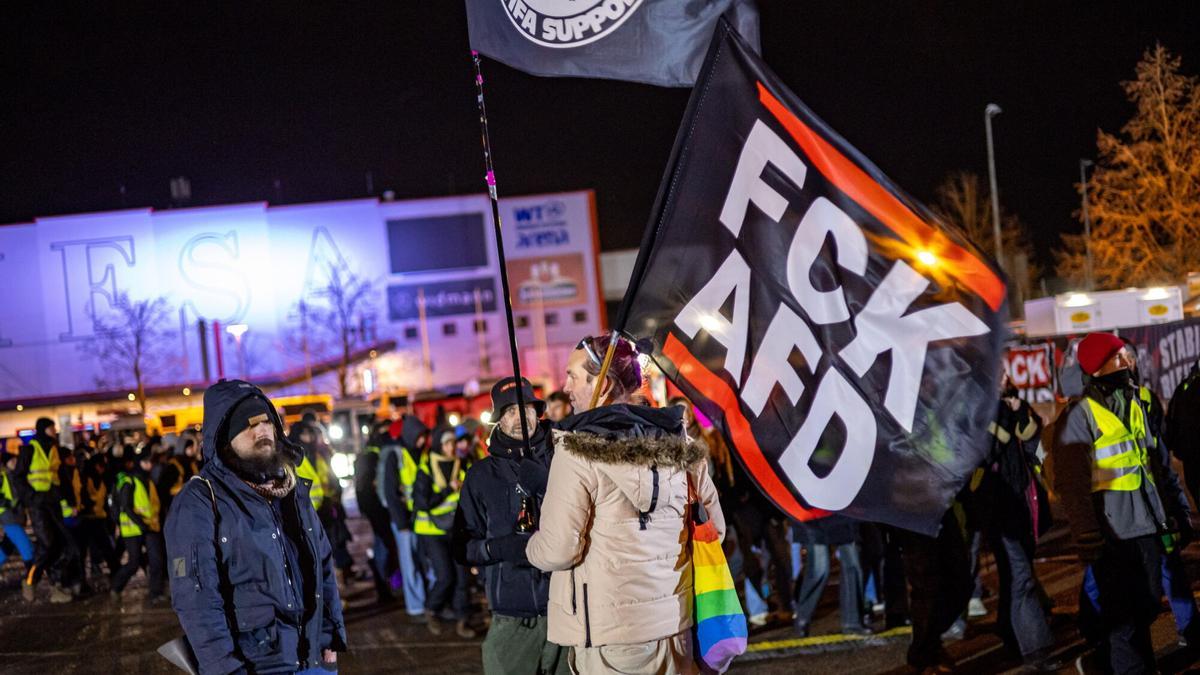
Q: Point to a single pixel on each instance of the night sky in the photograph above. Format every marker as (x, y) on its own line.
(238, 98)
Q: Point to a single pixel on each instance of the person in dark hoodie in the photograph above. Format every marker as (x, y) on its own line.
(399, 459)
(36, 479)
(138, 507)
(613, 520)
(366, 491)
(494, 522)
(252, 577)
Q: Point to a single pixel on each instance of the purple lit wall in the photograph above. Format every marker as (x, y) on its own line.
(252, 264)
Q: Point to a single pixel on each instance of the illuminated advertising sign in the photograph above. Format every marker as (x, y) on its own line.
(444, 298)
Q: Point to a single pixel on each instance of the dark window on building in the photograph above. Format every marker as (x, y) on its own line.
(580, 316)
(522, 321)
(419, 244)
(551, 318)
(410, 333)
(480, 326)
(449, 329)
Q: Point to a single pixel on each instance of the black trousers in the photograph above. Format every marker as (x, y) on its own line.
(449, 578)
(771, 531)
(939, 572)
(1021, 619)
(1129, 580)
(55, 552)
(155, 559)
(94, 539)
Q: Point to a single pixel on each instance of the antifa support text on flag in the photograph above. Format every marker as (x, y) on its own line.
(848, 345)
(658, 42)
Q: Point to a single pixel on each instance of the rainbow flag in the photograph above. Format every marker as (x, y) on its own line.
(720, 624)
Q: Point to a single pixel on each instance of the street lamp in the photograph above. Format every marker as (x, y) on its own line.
(991, 111)
(1087, 221)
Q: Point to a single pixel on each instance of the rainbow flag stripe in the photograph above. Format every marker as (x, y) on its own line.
(721, 630)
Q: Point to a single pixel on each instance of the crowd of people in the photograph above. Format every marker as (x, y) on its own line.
(96, 510)
(566, 519)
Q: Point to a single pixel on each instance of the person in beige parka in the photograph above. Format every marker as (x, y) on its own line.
(613, 530)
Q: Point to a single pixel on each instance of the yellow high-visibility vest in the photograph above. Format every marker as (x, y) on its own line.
(145, 504)
(1119, 454)
(43, 469)
(408, 476)
(5, 491)
(316, 492)
(438, 520)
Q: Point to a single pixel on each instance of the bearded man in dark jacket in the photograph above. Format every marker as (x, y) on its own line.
(252, 576)
(495, 519)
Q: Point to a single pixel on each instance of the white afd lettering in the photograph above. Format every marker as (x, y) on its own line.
(704, 311)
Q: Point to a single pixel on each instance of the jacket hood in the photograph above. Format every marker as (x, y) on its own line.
(631, 435)
(411, 428)
(219, 400)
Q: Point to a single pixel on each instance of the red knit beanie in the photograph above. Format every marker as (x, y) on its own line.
(1096, 349)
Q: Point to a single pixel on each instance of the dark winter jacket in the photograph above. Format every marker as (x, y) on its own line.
(1002, 501)
(229, 584)
(366, 477)
(1182, 427)
(487, 512)
(392, 461)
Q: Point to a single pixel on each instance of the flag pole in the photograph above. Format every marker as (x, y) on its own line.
(490, 179)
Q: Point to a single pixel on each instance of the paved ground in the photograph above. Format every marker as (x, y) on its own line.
(97, 635)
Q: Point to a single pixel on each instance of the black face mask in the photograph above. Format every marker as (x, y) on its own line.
(1120, 379)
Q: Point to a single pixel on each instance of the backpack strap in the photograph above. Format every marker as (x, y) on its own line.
(213, 500)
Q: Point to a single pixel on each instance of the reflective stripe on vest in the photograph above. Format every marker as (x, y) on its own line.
(1119, 454)
(438, 520)
(316, 492)
(41, 470)
(145, 504)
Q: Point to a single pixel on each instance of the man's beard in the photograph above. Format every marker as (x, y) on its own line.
(260, 467)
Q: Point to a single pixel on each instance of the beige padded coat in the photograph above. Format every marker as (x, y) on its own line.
(617, 550)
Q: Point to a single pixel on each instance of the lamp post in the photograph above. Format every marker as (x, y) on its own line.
(237, 330)
(1087, 221)
(991, 111)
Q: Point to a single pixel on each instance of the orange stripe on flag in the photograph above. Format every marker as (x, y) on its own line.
(716, 390)
(845, 174)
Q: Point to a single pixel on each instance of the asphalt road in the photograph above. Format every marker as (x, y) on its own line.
(99, 635)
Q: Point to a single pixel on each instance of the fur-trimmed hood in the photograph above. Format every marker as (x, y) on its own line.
(630, 434)
(666, 451)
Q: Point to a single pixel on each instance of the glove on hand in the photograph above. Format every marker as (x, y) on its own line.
(509, 548)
